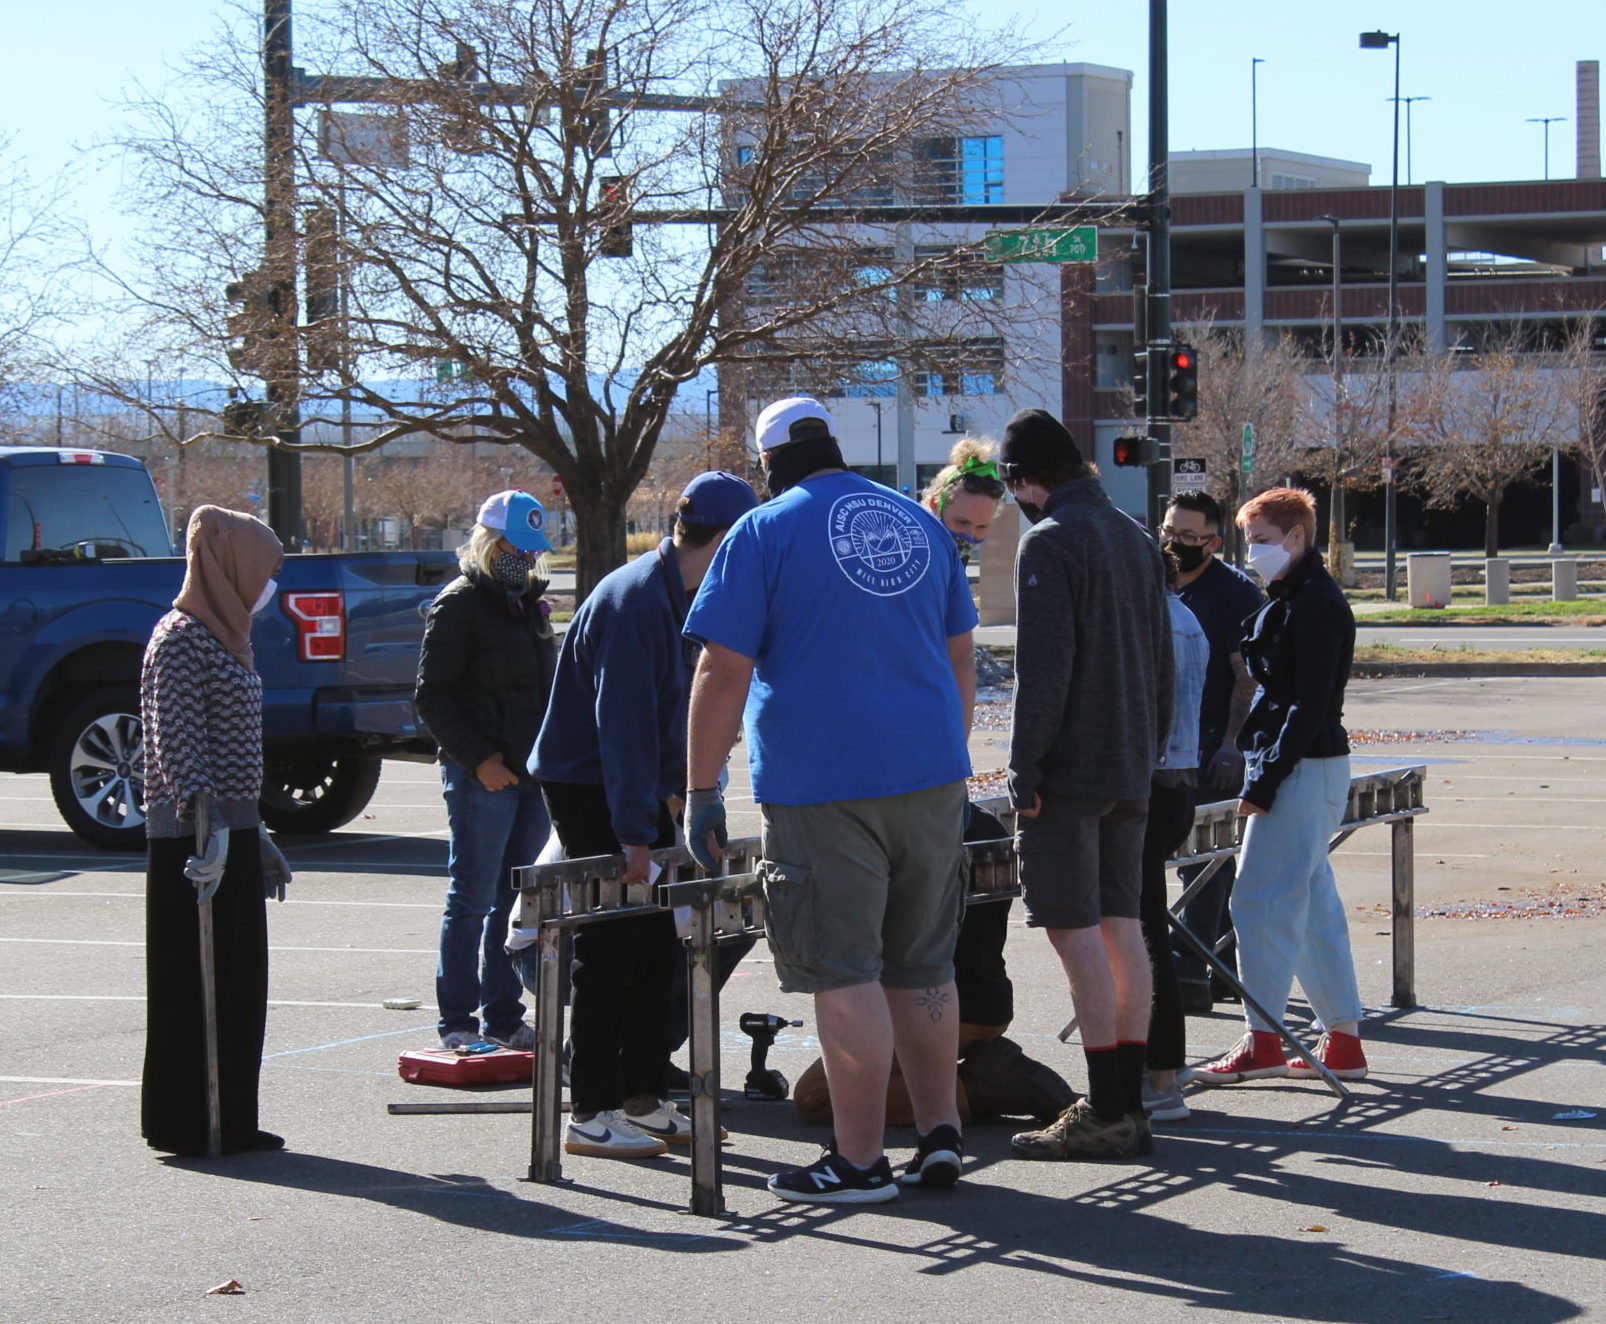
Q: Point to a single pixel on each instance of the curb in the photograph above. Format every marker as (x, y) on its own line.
(1367, 670)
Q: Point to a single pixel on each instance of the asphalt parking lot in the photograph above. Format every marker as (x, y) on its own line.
(1466, 1179)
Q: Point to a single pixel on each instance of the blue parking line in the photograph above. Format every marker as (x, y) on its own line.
(341, 1043)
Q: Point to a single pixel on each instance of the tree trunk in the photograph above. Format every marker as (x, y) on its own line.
(1491, 526)
(599, 538)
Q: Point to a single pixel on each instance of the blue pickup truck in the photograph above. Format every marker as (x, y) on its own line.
(86, 569)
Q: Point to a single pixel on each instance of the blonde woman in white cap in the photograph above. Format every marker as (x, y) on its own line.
(483, 679)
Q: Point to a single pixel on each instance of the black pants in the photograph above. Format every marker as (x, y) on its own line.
(619, 1015)
(173, 1114)
(981, 977)
(1170, 818)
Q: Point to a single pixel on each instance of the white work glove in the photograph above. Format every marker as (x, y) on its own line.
(275, 868)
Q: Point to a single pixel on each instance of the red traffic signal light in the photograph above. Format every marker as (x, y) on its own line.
(1182, 384)
(1131, 452)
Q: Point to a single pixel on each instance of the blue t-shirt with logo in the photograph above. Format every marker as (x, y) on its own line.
(845, 595)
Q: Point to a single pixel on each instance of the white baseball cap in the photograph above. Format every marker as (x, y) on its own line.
(792, 419)
(518, 517)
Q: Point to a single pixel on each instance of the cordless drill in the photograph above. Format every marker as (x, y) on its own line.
(764, 1083)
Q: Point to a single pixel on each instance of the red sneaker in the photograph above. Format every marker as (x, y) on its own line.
(1339, 1053)
(1258, 1056)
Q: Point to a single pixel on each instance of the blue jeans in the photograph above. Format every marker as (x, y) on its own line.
(493, 832)
(1285, 905)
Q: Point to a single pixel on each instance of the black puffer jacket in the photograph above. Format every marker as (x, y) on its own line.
(485, 671)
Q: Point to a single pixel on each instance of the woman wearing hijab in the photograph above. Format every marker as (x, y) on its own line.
(483, 679)
(201, 707)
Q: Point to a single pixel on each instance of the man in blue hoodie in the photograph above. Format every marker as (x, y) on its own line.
(611, 756)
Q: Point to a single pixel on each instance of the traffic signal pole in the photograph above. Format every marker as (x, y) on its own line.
(279, 267)
(1158, 471)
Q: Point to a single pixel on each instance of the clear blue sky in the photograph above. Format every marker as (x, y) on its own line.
(1486, 66)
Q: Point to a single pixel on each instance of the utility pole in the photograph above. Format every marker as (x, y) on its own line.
(279, 266)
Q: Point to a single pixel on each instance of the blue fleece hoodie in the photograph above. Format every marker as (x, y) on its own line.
(617, 714)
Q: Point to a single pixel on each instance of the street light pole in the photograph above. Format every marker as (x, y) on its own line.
(1408, 101)
(876, 405)
(1547, 121)
(1337, 517)
(1382, 41)
(1254, 121)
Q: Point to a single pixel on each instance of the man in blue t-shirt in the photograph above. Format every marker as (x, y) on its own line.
(839, 618)
(1223, 598)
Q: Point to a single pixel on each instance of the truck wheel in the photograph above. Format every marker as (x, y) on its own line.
(310, 795)
(97, 769)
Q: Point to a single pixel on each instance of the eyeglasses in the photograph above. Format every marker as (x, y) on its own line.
(1183, 536)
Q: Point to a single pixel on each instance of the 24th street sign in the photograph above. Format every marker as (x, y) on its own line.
(1078, 244)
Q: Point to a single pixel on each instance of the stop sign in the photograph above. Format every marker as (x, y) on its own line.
(557, 486)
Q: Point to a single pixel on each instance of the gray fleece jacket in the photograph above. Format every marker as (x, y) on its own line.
(1094, 673)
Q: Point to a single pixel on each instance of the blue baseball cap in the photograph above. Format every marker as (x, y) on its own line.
(717, 499)
(518, 517)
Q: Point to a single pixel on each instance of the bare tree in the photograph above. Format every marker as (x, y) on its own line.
(1581, 376)
(31, 297)
(438, 490)
(520, 150)
(1493, 415)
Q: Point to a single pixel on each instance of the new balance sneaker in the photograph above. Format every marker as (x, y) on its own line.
(1080, 1133)
(455, 1039)
(939, 1155)
(522, 1038)
(1165, 1105)
(1257, 1056)
(609, 1134)
(1339, 1053)
(831, 1179)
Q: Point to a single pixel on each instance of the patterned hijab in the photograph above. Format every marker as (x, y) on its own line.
(230, 558)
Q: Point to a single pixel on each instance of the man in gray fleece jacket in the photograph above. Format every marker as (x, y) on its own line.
(1093, 694)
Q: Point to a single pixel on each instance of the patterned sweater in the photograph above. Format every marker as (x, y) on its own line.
(201, 708)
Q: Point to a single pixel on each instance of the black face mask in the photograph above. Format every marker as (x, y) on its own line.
(791, 464)
(1189, 558)
(1030, 509)
(514, 572)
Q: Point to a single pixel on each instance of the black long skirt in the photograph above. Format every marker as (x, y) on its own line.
(173, 1114)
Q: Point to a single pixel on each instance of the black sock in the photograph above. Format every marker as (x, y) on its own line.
(1134, 1062)
(1104, 1083)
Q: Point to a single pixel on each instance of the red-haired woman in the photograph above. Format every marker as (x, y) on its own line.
(1286, 909)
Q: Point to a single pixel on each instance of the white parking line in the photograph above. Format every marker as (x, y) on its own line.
(140, 997)
(353, 951)
(293, 901)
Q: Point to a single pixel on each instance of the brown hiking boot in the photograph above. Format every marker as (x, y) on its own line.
(1080, 1133)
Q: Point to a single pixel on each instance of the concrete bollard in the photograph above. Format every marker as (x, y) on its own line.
(997, 579)
(1496, 582)
(1427, 579)
(1564, 581)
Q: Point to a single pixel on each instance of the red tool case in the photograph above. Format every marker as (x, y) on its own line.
(442, 1066)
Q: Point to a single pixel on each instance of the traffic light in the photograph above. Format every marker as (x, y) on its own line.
(321, 288)
(613, 204)
(1131, 452)
(1182, 384)
(1140, 384)
(257, 332)
(596, 119)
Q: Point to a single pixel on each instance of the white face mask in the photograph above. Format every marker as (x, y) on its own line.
(268, 590)
(1268, 559)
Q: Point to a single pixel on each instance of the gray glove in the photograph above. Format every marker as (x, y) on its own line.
(1226, 770)
(206, 869)
(705, 814)
(275, 868)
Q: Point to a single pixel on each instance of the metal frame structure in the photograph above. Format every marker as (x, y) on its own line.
(567, 894)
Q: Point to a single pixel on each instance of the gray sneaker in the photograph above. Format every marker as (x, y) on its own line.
(1080, 1133)
(455, 1039)
(1165, 1105)
(522, 1038)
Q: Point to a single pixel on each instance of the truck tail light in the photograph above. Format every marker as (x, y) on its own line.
(320, 621)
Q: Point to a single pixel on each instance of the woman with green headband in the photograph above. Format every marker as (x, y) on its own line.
(965, 494)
